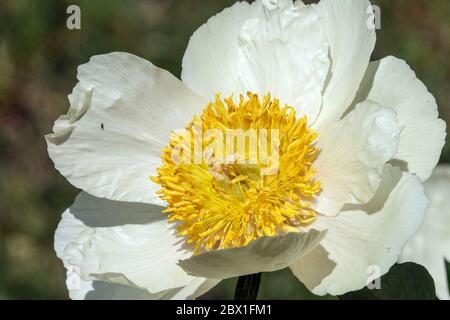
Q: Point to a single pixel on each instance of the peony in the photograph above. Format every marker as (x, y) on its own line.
(355, 141)
(430, 247)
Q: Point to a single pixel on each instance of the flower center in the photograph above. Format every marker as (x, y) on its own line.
(239, 172)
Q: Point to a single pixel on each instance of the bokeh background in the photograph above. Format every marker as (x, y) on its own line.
(38, 61)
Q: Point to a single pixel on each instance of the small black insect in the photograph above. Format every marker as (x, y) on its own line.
(102, 126)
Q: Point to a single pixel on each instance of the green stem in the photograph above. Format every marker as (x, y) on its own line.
(247, 287)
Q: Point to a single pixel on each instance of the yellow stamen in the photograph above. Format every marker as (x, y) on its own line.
(230, 196)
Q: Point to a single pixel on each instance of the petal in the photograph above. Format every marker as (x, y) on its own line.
(285, 52)
(351, 43)
(80, 218)
(262, 255)
(353, 153)
(194, 289)
(121, 113)
(268, 46)
(124, 243)
(431, 245)
(99, 290)
(210, 63)
(390, 82)
(364, 237)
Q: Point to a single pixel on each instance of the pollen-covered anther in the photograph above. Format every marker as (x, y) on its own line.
(239, 172)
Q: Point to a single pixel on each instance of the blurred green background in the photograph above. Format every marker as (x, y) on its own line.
(38, 61)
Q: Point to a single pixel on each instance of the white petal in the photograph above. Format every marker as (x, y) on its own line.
(262, 255)
(99, 290)
(285, 52)
(364, 237)
(130, 244)
(431, 245)
(77, 287)
(390, 82)
(121, 113)
(353, 153)
(210, 63)
(78, 219)
(195, 288)
(351, 43)
(275, 47)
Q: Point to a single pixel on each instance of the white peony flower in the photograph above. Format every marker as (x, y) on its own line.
(356, 140)
(430, 247)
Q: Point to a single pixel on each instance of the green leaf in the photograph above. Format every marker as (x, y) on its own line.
(406, 281)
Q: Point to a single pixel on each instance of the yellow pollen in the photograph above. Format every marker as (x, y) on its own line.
(239, 172)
